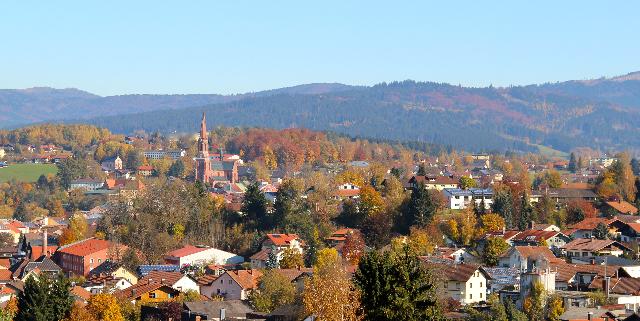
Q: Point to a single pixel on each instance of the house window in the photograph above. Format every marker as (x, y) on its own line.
(470, 296)
(481, 295)
(221, 281)
(480, 284)
(470, 285)
(152, 295)
(458, 285)
(91, 261)
(446, 284)
(229, 281)
(99, 260)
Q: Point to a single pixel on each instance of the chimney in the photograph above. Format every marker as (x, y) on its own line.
(223, 314)
(45, 246)
(592, 261)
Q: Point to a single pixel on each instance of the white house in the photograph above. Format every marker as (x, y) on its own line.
(175, 280)
(160, 154)
(88, 184)
(459, 199)
(199, 255)
(279, 243)
(519, 256)
(233, 285)
(466, 283)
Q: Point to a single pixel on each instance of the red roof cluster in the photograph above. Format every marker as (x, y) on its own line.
(282, 239)
(186, 251)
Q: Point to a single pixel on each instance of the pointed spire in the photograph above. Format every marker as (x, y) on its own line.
(203, 127)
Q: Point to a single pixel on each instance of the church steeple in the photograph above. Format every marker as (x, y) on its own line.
(203, 141)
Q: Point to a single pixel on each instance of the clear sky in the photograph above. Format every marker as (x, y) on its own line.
(117, 47)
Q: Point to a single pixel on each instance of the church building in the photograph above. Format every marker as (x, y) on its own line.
(213, 169)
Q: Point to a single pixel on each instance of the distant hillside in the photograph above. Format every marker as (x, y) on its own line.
(601, 113)
(562, 116)
(24, 106)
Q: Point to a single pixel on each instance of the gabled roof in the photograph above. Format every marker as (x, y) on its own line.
(528, 251)
(623, 285)
(536, 235)
(141, 288)
(146, 269)
(623, 207)
(282, 239)
(566, 272)
(247, 279)
(457, 272)
(234, 309)
(592, 245)
(80, 292)
(85, 247)
(169, 278)
(591, 223)
(106, 268)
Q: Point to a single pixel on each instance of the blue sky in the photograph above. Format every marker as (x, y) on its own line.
(118, 47)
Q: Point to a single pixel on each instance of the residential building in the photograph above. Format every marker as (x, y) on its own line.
(201, 255)
(553, 239)
(521, 256)
(149, 291)
(594, 247)
(432, 182)
(277, 243)
(459, 199)
(233, 285)
(176, 280)
(81, 257)
(622, 207)
(217, 310)
(465, 283)
(174, 154)
(88, 184)
(145, 170)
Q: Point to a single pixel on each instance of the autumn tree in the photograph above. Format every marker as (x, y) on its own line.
(492, 222)
(104, 307)
(291, 259)
(534, 303)
(76, 230)
(274, 290)
(353, 247)
(555, 308)
(80, 313)
(493, 249)
(329, 294)
(467, 182)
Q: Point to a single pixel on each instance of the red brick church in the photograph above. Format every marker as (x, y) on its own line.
(213, 169)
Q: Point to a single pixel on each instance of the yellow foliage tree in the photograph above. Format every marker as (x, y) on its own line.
(79, 313)
(492, 222)
(105, 307)
(329, 294)
(291, 259)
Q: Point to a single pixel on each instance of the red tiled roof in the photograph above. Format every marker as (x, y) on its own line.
(348, 192)
(207, 279)
(282, 239)
(527, 251)
(86, 247)
(36, 251)
(186, 251)
(565, 271)
(141, 288)
(81, 292)
(145, 168)
(456, 272)
(262, 255)
(247, 279)
(623, 207)
(591, 223)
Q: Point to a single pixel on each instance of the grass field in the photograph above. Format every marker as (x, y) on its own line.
(26, 172)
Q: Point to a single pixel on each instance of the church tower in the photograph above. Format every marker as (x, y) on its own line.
(203, 162)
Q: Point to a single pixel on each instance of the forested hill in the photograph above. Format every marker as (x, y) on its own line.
(601, 114)
(24, 106)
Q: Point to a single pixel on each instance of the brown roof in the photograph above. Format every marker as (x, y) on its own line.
(293, 274)
(591, 245)
(456, 272)
(623, 207)
(348, 192)
(263, 255)
(565, 271)
(591, 223)
(81, 292)
(141, 288)
(527, 251)
(207, 279)
(535, 235)
(165, 277)
(623, 285)
(247, 279)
